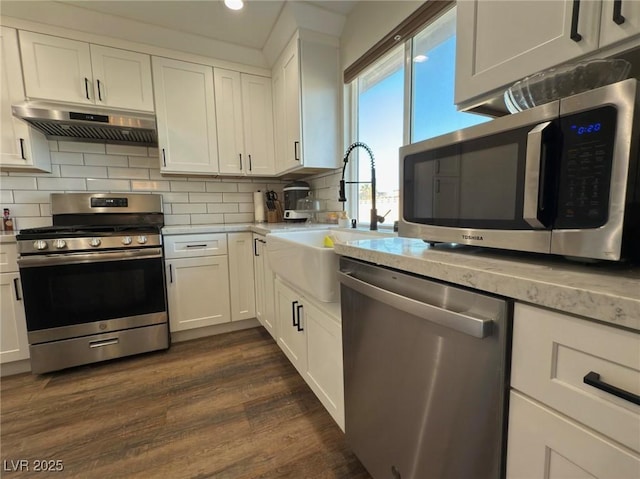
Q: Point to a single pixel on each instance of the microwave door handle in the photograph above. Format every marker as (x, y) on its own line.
(532, 176)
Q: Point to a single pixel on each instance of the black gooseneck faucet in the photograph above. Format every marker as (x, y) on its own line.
(373, 225)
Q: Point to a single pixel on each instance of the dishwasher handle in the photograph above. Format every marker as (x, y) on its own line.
(464, 323)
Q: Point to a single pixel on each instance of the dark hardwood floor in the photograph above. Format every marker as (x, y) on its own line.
(224, 407)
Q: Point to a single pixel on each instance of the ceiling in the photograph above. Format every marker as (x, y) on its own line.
(249, 27)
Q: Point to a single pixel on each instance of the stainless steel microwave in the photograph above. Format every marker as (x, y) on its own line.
(561, 178)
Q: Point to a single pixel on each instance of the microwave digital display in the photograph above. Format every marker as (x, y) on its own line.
(586, 129)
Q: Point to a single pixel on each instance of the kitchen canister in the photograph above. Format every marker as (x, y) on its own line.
(258, 206)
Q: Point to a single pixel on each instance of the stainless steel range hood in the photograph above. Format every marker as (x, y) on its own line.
(90, 124)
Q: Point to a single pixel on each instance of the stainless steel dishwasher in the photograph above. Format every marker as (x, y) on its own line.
(425, 371)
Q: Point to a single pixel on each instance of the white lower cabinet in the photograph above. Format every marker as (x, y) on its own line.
(544, 444)
(312, 340)
(564, 420)
(197, 271)
(14, 345)
(241, 276)
(264, 286)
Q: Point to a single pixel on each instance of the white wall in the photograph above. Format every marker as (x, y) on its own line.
(368, 23)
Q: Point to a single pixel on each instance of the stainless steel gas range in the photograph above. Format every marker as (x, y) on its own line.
(93, 283)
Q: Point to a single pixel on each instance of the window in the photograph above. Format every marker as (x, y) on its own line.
(381, 107)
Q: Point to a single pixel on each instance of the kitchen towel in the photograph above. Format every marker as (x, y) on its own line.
(258, 207)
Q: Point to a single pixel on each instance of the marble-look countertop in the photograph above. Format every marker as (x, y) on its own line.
(8, 236)
(260, 228)
(603, 291)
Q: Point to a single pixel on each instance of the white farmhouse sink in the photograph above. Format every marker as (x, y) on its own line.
(301, 258)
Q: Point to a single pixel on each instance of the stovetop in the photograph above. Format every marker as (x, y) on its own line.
(77, 231)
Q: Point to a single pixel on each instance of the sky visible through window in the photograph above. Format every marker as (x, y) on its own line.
(381, 109)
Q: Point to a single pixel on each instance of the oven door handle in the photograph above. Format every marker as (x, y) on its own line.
(534, 167)
(97, 257)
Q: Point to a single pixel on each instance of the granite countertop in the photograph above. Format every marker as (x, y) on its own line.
(603, 291)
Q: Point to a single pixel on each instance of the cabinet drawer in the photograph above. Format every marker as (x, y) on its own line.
(552, 354)
(544, 444)
(8, 257)
(189, 246)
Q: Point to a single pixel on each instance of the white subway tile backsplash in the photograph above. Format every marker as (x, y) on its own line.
(22, 209)
(127, 150)
(66, 158)
(205, 197)
(187, 186)
(142, 185)
(18, 183)
(237, 197)
(69, 171)
(238, 217)
(108, 185)
(130, 173)
(92, 159)
(79, 167)
(153, 152)
(206, 219)
(175, 197)
(171, 220)
(62, 184)
(219, 187)
(188, 208)
(6, 196)
(38, 196)
(81, 147)
(224, 207)
(142, 162)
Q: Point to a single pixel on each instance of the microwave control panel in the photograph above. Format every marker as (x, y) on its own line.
(585, 168)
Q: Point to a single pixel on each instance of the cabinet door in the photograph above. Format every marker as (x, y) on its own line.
(257, 114)
(324, 360)
(56, 68)
(279, 125)
(500, 42)
(13, 327)
(21, 147)
(185, 108)
(545, 445)
(291, 326)
(198, 292)
(264, 284)
(241, 276)
(614, 28)
(231, 151)
(122, 79)
(291, 98)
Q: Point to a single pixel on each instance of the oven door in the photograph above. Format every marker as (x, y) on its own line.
(488, 185)
(79, 294)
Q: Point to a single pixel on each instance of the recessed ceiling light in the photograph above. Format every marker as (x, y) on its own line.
(420, 58)
(234, 4)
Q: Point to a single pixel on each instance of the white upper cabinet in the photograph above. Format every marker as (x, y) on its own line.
(21, 147)
(501, 42)
(244, 111)
(306, 95)
(185, 108)
(257, 114)
(66, 70)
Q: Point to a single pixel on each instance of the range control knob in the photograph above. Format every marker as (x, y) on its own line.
(142, 239)
(59, 243)
(40, 245)
(127, 240)
(95, 242)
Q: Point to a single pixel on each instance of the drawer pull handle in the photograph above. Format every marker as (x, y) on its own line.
(100, 343)
(593, 379)
(196, 246)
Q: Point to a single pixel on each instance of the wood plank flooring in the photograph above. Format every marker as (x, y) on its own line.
(225, 407)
